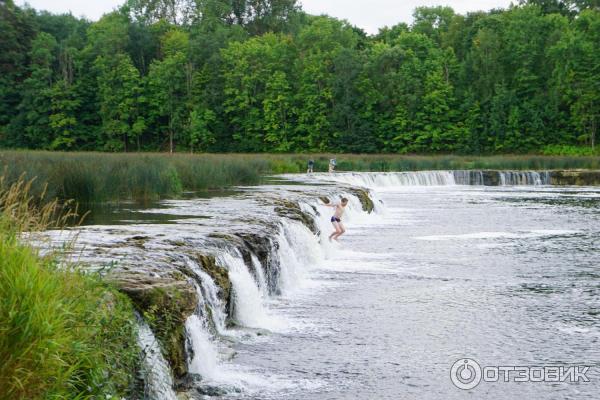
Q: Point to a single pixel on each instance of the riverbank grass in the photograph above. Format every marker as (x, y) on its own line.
(92, 178)
(63, 334)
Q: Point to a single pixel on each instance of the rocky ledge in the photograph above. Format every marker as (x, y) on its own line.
(165, 301)
(575, 178)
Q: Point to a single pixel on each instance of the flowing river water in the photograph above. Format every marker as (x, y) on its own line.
(505, 275)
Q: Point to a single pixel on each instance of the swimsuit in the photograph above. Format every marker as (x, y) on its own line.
(335, 219)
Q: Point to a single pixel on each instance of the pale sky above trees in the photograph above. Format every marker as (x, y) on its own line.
(367, 14)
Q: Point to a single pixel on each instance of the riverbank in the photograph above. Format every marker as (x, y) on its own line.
(104, 177)
(63, 334)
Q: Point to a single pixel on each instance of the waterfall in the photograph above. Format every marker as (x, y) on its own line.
(436, 178)
(390, 179)
(514, 178)
(158, 383)
(204, 359)
(294, 252)
(298, 251)
(465, 177)
(263, 285)
(209, 294)
(248, 303)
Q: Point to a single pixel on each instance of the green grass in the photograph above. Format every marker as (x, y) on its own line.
(63, 335)
(100, 177)
(566, 150)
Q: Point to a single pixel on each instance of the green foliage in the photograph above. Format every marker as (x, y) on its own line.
(563, 150)
(64, 334)
(119, 89)
(263, 76)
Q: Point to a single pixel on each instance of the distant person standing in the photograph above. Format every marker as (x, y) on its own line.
(311, 165)
(332, 164)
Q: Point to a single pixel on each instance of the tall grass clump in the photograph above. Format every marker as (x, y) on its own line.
(63, 334)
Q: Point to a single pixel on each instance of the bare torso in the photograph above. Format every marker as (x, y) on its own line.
(339, 211)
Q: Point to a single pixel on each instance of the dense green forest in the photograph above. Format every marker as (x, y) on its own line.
(263, 76)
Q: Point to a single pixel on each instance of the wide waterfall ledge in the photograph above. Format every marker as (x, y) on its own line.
(217, 271)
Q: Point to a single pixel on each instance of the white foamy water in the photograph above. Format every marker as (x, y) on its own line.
(209, 294)
(248, 303)
(158, 383)
(389, 180)
(205, 357)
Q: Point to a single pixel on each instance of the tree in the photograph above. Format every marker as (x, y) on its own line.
(258, 92)
(200, 131)
(17, 30)
(63, 119)
(119, 89)
(169, 86)
(35, 107)
(577, 57)
(319, 44)
(433, 22)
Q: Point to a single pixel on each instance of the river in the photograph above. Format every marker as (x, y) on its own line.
(505, 276)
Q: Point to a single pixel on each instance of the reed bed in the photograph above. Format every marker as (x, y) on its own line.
(100, 177)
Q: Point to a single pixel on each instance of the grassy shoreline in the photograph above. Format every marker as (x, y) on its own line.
(63, 334)
(91, 178)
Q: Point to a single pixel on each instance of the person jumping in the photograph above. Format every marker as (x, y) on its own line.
(336, 219)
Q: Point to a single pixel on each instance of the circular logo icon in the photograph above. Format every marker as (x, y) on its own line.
(465, 373)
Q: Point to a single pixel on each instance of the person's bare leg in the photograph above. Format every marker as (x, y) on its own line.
(334, 233)
(341, 231)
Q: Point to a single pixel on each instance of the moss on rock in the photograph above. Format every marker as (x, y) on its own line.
(291, 209)
(218, 274)
(165, 302)
(364, 198)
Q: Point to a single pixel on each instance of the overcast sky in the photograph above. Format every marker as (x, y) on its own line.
(367, 14)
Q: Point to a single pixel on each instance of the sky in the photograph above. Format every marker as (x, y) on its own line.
(366, 14)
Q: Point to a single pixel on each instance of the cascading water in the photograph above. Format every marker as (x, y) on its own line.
(437, 178)
(473, 178)
(514, 178)
(204, 359)
(390, 179)
(263, 285)
(285, 279)
(209, 294)
(158, 383)
(298, 251)
(248, 304)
